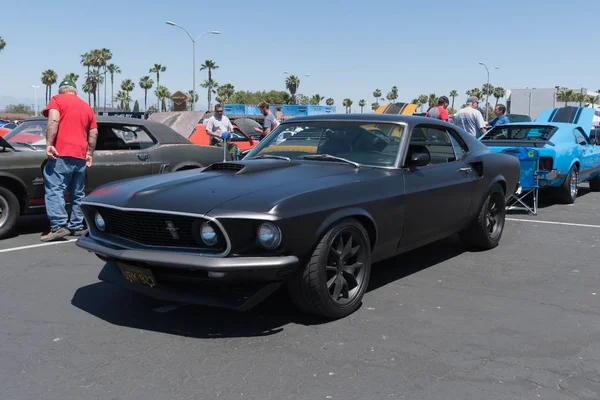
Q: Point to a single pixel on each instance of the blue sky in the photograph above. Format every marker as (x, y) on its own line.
(349, 47)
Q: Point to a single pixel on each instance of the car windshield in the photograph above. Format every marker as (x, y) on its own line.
(32, 132)
(371, 144)
(520, 132)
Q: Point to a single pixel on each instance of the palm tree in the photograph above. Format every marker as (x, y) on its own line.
(86, 61)
(72, 76)
(162, 93)
(393, 94)
(292, 83)
(453, 94)
(49, 78)
(224, 92)
(158, 69)
(565, 95)
(423, 99)
(112, 70)
(88, 87)
(329, 102)
(209, 65)
(93, 78)
(362, 103)
(146, 83)
(348, 104)
(193, 99)
(104, 55)
(211, 86)
(592, 100)
(123, 98)
(127, 86)
(499, 93)
(580, 98)
(474, 92)
(376, 94)
(2, 43)
(316, 99)
(432, 100)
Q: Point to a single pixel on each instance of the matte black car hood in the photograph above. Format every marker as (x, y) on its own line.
(201, 190)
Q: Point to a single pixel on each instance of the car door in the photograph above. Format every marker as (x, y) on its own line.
(242, 141)
(438, 195)
(122, 151)
(588, 152)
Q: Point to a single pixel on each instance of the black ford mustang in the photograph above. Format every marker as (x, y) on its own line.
(311, 207)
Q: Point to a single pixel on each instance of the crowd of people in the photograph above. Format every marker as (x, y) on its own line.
(471, 117)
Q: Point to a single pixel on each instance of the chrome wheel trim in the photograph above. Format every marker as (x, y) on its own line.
(573, 184)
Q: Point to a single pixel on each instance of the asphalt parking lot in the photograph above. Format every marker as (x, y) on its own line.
(519, 322)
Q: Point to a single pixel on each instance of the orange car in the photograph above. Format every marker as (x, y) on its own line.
(238, 137)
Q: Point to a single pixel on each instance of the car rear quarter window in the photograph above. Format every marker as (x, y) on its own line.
(442, 146)
(123, 137)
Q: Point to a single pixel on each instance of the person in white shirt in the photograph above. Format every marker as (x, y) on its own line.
(219, 127)
(470, 119)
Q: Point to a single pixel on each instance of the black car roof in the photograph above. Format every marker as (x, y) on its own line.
(162, 132)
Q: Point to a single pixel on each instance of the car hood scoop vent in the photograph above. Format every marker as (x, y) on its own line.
(225, 166)
(248, 167)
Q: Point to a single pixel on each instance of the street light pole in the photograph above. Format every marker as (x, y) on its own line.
(193, 57)
(35, 88)
(487, 95)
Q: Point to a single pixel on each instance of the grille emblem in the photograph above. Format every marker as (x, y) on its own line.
(172, 230)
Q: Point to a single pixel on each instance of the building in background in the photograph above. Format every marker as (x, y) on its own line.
(532, 101)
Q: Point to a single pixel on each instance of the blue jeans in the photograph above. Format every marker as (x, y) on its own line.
(64, 173)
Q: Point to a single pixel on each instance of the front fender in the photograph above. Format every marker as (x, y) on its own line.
(345, 213)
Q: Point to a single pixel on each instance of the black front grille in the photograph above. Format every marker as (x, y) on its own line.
(155, 229)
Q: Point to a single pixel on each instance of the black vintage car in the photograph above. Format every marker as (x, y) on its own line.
(313, 206)
(125, 148)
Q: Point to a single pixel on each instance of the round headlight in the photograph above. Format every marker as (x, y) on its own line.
(269, 235)
(100, 224)
(208, 234)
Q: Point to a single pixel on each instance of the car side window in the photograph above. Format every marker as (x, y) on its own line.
(460, 147)
(123, 138)
(434, 141)
(580, 137)
(238, 136)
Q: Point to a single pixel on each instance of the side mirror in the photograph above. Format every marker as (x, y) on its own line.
(419, 160)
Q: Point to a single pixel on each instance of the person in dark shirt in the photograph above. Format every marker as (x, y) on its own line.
(440, 111)
(501, 118)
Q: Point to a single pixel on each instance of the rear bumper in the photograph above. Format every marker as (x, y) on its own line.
(231, 282)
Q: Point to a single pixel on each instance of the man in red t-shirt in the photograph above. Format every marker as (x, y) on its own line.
(440, 112)
(70, 143)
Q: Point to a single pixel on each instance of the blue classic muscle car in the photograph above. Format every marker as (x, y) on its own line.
(568, 153)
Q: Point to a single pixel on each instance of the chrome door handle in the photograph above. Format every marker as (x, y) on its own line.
(465, 169)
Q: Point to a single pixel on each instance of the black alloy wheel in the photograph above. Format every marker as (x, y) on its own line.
(485, 231)
(9, 212)
(344, 271)
(495, 215)
(335, 278)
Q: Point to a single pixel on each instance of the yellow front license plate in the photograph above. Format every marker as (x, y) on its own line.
(138, 275)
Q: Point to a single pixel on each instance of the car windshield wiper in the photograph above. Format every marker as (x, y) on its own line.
(271, 156)
(329, 157)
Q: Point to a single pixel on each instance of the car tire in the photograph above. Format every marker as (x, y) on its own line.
(333, 271)
(485, 231)
(595, 184)
(567, 192)
(9, 213)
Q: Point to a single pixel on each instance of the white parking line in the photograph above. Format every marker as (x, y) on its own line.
(552, 222)
(36, 245)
